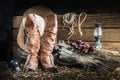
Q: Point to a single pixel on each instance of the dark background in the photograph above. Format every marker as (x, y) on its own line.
(63, 6)
(11, 8)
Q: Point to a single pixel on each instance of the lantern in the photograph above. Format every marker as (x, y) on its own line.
(98, 34)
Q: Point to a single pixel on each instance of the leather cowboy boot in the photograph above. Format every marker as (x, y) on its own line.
(33, 42)
(49, 38)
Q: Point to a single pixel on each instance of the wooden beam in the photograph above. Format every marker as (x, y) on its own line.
(108, 35)
(106, 45)
(107, 20)
(97, 16)
(16, 21)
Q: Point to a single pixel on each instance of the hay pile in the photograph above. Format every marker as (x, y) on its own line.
(64, 73)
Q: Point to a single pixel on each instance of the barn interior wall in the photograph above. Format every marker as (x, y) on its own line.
(9, 9)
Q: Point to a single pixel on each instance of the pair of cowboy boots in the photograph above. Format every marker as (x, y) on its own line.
(47, 42)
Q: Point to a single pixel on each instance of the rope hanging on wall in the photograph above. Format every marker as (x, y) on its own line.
(80, 21)
(70, 21)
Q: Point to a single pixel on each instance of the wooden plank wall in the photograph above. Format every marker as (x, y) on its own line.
(110, 27)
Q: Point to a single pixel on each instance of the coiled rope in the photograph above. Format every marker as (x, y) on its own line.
(69, 21)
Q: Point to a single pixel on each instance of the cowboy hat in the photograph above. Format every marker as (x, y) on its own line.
(39, 11)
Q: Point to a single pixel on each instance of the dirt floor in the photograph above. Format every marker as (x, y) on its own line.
(64, 73)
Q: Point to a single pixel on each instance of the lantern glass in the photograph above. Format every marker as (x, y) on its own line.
(98, 30)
